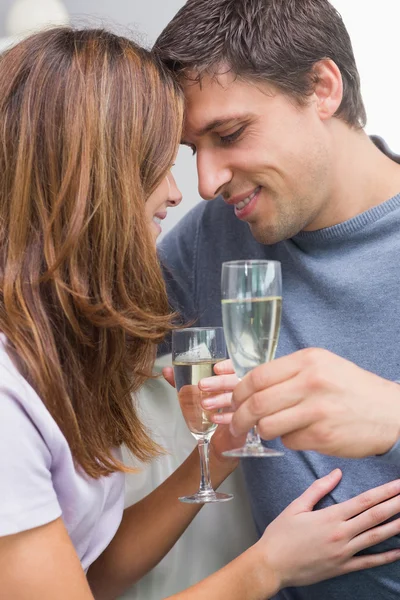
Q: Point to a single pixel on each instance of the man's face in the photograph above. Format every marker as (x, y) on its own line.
(266, 155)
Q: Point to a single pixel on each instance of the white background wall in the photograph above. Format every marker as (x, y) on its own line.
(373, 27)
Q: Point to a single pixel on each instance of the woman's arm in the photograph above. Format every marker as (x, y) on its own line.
(41, 564)
(280, 559)
(150, 528)
(160, 518)
(302, 546)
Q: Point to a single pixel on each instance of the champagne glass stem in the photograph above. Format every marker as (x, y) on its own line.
(205, 481)
(253, 439)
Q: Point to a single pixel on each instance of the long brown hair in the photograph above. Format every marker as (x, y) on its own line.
(89, 126)
(278, 41)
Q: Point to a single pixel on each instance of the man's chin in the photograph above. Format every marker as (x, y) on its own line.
(268, 235)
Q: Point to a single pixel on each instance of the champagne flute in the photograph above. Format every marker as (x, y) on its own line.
(251, 314)
(195, 351)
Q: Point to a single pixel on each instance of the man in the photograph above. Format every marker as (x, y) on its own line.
(275, 116)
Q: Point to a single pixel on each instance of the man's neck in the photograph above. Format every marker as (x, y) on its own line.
(362, 177)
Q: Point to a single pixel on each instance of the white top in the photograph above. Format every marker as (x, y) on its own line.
(38, 478)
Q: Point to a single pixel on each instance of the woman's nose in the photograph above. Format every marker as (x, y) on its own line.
(174, 194)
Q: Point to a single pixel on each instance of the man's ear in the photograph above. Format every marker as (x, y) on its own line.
(328, 88)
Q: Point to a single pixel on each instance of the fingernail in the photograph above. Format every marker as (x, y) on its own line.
(218, 418)
(208, 403)
(206, 384)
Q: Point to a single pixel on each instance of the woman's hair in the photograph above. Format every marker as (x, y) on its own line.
(89, 126)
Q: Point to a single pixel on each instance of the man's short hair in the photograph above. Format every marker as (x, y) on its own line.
(277, 41)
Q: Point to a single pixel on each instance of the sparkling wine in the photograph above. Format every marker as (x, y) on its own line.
(187, 376)
(251, 328)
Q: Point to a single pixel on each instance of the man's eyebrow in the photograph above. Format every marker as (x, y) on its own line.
(214, 124)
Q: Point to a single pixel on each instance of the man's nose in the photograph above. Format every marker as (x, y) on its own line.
(212, 174)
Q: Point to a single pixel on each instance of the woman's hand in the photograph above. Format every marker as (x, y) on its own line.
(302, 546)
(224, 383)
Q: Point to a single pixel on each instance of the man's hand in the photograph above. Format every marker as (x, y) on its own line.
(315, 400)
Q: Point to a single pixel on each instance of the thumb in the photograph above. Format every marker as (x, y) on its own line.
(168, 374)
(316, 492)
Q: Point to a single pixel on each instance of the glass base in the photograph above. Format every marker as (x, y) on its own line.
(204, 497)
(253, 451)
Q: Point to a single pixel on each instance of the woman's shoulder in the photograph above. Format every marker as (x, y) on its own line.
(20, 405)
(28, 441)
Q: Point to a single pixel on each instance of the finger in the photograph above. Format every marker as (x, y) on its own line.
(360, 563)
(294, 425)
(373, 516)
(222, 418)
(277, 397)
(315, 492)
(270, 409)
(267, 375)
(223, 367)
(374, 536)
(218, 383)
(218, 401)
(273, 426)
(359, 504)
(168, 374)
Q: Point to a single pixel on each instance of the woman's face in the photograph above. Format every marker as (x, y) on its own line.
(165, 195)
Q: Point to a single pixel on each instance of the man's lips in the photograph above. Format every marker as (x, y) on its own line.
(244, 209)
(240, 198)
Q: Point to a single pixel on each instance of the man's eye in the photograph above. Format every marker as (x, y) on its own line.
(228, 139)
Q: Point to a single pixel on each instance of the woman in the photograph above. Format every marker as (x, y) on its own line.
(89, 128)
